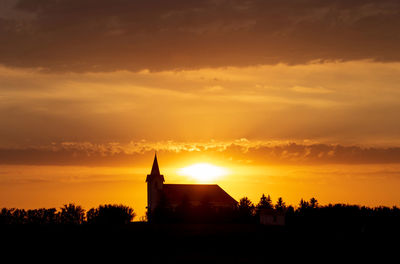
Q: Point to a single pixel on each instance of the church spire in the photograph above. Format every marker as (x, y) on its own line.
(155, 169)
(155, 182)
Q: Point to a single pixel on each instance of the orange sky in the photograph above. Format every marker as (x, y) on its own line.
(53, 186)
(295, 98)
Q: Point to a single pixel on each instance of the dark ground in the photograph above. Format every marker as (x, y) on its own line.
(194, 243)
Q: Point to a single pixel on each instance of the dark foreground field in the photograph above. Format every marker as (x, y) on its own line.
(195, 243)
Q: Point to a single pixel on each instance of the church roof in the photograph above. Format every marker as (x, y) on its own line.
(197, 194)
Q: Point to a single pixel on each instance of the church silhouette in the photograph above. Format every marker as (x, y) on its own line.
(175, 195)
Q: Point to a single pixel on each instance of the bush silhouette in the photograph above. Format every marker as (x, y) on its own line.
(34, 216)
(39, 216)
(110, 214)
(6, 216)
(72, 214)
(20, 216)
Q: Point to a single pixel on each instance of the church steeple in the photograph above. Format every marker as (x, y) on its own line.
(155, 170)
(155, 182)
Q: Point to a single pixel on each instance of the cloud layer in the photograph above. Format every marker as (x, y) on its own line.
(341, 103)
(103, 35)
(238, 152)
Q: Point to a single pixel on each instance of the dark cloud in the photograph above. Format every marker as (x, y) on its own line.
(104, 35)
(87, 154)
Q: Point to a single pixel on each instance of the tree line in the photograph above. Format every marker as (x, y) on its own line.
(69, 214)
(308, 214)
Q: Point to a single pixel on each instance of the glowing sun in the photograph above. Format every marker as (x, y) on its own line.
(203, 172)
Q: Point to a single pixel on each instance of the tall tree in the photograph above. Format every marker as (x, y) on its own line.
(303, 204)
(265, 202)
(313, 203)
(246, 209)
(280, 204)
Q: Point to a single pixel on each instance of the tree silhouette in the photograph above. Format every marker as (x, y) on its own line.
(20, 217)
(6, 216)
(246, 210)
(32, 216)
(39, 216)
(265, 202)
(303, 204)
(280, 205)
(110, 214)
(91, 215)
(313, 203)
(72, 214)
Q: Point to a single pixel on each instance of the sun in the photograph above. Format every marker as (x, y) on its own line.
(203, 172)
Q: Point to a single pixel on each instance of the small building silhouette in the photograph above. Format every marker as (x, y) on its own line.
(176, 194)
(269, 216)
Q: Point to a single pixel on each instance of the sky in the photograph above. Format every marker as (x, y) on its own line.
(295, 98)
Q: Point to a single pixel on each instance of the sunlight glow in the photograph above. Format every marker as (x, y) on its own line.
(203, 172)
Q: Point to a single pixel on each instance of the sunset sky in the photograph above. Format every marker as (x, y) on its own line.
(292, 98)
